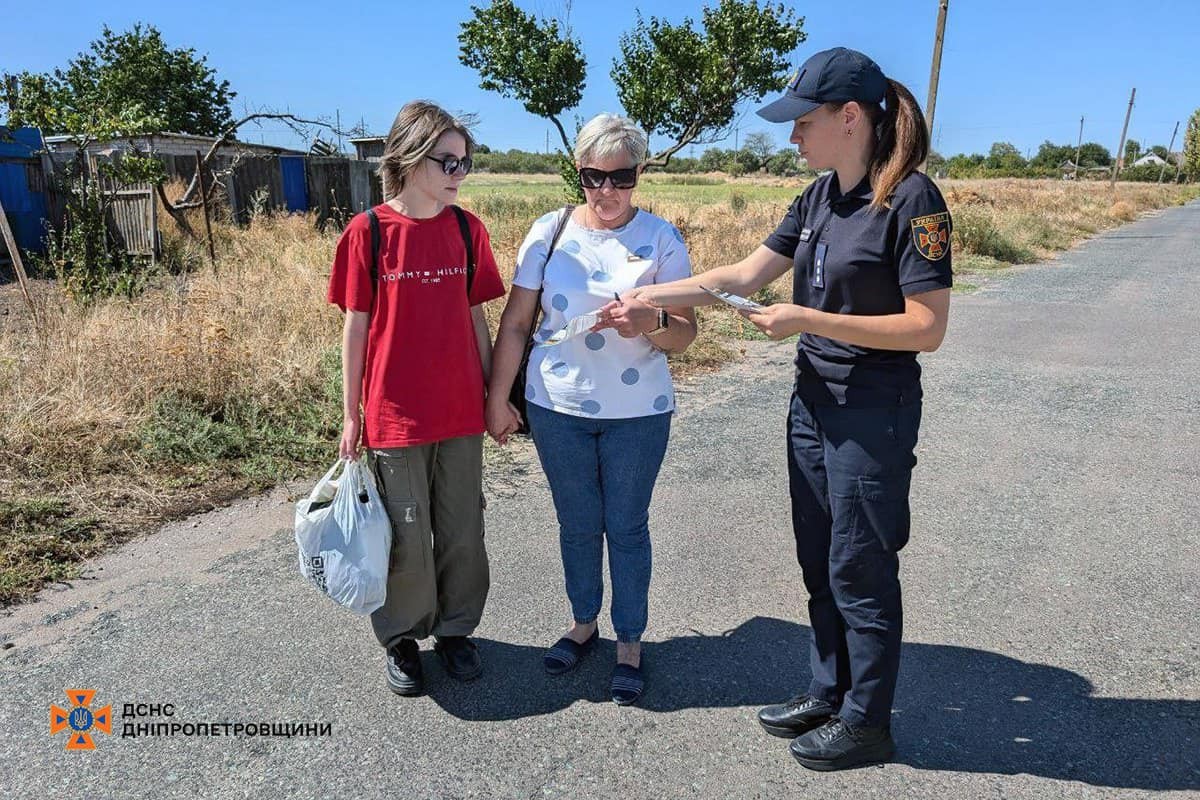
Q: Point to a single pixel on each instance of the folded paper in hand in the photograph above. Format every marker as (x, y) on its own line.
(581, 324)
(738, 302)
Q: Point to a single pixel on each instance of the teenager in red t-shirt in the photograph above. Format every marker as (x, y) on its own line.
(416, 354)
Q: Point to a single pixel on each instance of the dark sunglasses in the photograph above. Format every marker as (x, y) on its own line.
(453, 164)
(621, 178)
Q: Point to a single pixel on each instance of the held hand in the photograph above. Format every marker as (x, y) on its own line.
(351, 429)
(778, 321)
(630, 317)
(502, 420)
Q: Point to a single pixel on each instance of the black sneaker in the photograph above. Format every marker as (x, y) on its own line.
(838, 745)
(404, 673)
(799, 715)
(460, 657)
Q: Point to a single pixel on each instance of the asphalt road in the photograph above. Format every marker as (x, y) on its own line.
(1052, 592)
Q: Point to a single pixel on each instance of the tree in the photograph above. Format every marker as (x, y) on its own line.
(538, 63)
(673, 80)
(760, 146)
(1004, 155)
(1133, 150)
(129, 85)
(136, 80)
(686, 84)
(714, 159)
(1191, 147)
(1161, 152)
(1051, 155)
(785, 163)
(1092, 154)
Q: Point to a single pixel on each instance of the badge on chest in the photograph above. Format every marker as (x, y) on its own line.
(818, 270)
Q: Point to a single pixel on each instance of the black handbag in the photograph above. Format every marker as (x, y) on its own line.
(516, 395)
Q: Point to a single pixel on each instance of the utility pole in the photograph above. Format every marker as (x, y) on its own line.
(1163, 171)
(935, 68)
(1112, 183)
(1078, 149)
(339, 129)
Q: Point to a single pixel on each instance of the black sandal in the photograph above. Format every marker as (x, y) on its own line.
(627, 684)
(565, 654)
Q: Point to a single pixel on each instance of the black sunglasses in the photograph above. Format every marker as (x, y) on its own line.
(453, 164)
(621, 178)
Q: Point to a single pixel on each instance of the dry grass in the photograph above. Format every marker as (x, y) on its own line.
(224, 381)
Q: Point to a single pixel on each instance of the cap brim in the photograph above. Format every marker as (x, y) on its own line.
(786, 109)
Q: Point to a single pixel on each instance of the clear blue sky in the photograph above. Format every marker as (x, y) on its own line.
(1019, 71)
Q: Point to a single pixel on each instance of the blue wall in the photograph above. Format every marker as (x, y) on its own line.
(24, 206)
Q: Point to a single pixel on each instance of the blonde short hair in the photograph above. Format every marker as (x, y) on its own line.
(607, 135)
(414, 134)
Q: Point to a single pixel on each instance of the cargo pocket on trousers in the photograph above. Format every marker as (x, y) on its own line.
(882, 513)
(407, 553)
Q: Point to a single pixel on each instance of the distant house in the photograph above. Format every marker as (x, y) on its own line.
(1150, 159)
(369, 148)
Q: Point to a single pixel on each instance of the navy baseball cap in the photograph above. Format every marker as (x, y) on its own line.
(830, 76)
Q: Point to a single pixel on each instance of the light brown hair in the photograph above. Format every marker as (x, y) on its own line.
(413, 136)
(901, 141)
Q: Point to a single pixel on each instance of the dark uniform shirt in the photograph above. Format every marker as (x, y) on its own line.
(852, 259)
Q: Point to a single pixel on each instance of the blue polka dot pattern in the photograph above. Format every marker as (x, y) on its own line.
(594, 341)
(529, 391)
(559, 370)
(571, 247)
(545, 333)
(661, 402)
(601, 277)
(630, 376)
(559, 302)
(675, 232)
(590, 407)
(645, 251)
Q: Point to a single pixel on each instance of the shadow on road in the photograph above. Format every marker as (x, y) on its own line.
(957, 708)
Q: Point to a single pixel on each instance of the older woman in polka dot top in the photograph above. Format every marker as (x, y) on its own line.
(600, 403)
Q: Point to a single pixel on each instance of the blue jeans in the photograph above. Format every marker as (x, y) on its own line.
(602, 474)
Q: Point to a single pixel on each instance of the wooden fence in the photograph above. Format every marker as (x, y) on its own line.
(334, 187)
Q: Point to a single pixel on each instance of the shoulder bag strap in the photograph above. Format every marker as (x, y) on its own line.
(373, 218)
(465, 228)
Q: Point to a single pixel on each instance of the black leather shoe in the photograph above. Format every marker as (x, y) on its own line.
(460, 657)
(838, 745)
(798, 715)
(404, 673)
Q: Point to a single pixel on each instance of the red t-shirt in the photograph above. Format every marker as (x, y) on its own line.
(422, 381)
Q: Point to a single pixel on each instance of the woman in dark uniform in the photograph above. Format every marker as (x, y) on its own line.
(868, 247)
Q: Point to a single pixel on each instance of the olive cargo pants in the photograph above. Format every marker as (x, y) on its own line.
(438, 577)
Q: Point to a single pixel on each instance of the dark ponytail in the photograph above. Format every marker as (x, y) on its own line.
(901, 141)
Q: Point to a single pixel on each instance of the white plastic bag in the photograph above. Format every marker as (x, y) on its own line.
(345, 539)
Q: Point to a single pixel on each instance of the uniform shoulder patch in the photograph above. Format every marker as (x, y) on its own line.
(931, 235)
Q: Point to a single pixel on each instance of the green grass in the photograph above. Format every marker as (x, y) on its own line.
(243, 445)
(543, 194)
(43, 541)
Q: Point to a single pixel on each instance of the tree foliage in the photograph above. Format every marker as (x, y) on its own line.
(1133, 151)
(677, 81)
(1005, 156)
(516, 55)
(686, 84)
(1191, 147)
(127, 84)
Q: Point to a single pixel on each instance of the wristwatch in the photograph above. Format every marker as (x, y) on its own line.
(663, 321)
